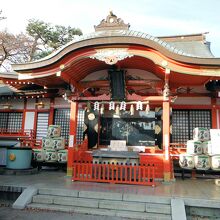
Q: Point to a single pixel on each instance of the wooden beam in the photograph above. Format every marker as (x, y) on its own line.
(105, 83)
(67, 78)
(133, 97)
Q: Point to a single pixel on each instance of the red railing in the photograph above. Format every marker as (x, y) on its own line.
(114, 173)
(9, 131)
(26, 137)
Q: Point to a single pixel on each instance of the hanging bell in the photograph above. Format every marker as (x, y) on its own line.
(117, 110)
(132, 110)
(147, 109)
(102, 109)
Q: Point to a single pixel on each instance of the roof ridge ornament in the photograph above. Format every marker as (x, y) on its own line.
(112, 22)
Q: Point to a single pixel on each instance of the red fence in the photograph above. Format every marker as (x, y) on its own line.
(26, 137)
(114, 173)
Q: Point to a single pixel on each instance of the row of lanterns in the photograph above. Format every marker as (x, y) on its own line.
(117, 107)
(21, 97)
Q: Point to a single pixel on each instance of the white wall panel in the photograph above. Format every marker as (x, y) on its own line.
(193, 101)
(31, 103)
(61, 103)
(29, 120)
(15, 103)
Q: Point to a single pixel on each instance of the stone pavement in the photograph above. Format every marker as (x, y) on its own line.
(204, 189)
(195, 193)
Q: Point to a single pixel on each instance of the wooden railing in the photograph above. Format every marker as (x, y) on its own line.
(177, 145)
(6, 131)
(114, 173)
(26, 137)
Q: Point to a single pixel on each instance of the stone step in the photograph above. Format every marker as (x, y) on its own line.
(100, 211)
(105, 195)
(58, 192)
(103, 204)
(61, 200)
(158, 208)
(101, 195)
(146, 198)
(121, 205)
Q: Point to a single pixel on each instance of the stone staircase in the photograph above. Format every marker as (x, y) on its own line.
(125, 205)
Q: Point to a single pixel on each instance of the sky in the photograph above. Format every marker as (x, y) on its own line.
(155, 17)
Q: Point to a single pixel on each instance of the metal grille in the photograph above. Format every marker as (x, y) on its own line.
(199, 118)
(62, 118)
(3, 120)
(11, 121)
(184, 121)
(80, 126)
(42, 125)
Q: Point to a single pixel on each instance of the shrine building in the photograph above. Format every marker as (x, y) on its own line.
(118, 94)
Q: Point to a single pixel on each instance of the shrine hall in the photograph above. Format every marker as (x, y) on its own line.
(126, 102)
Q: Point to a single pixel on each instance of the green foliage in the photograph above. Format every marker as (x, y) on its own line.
(48, 37)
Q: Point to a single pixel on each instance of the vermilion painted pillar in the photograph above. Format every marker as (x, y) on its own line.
(24, 115)
(214, 114)
(51, 113)
(166, 142)
(72, 137)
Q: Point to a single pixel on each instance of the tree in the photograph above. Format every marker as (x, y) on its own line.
(48, 38)
(39, 41)
(14, 49)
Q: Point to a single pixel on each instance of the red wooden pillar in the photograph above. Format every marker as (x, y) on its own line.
(24, 115)
(72, 136)
(214, 113)
(166, 142)
(51, 113)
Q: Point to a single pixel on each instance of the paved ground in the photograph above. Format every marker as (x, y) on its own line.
(7, 213)
(188, 188)
(200, 189)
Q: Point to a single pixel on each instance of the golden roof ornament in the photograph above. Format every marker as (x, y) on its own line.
(112, 22)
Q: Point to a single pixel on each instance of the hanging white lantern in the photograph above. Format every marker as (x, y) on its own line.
(147, 109)
(139, 106)
(117, 110)
(96, 106)
(102, 109)
(132, 110)
(111, 105)
(123, 105)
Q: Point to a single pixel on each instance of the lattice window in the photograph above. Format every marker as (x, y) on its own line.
(80, 126)
(62, 118)
(184, 121)
(11, 121)
(199, 118)
(180, 126)
(3, 120)
(42, 125)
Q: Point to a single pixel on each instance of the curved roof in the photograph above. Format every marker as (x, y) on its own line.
(194, 44)
(120, 37)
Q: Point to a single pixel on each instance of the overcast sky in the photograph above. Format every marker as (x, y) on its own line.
(155, 17)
